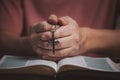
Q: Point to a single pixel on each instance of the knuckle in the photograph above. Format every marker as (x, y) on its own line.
(45, 36)
(38, 51)
(59, 33)
(43, 26)
(39, 27)
(46, 45)
(58, 46)
(36, 28)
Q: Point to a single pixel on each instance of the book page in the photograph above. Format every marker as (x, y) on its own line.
(13, 61)
(10, 62)
(101, 64)
(114, 65)
(34, 61)
(118, 64)
(76, 61)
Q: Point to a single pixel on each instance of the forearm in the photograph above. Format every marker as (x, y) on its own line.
(12, 44)
(105, 42)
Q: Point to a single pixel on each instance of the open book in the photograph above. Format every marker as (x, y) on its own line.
(34, 65)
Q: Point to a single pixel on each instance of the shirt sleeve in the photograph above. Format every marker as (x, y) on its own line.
(11, 16)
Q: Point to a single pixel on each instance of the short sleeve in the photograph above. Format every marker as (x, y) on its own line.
(11, 16)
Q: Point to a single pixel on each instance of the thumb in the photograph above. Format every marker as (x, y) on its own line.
(65, 20)
(52, 19)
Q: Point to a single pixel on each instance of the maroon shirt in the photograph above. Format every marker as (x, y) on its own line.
(17, 16)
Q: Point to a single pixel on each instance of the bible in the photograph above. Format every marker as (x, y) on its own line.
(34, 65)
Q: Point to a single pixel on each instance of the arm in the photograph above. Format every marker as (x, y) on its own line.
(11, 26)
(104, 42)
(12, 44)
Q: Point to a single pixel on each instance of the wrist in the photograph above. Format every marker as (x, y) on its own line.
(26, 46)
(89, 40)
(83, 40)
(100, 42)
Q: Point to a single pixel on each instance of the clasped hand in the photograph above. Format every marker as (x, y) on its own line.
(69, 36)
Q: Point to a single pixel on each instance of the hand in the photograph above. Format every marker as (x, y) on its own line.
(70, 37)
(40, 35)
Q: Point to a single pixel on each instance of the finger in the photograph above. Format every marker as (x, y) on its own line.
(65, 20)
(59, 33)
(66, 28)
(53, 19)
(62, 21)
(51, 58)
(48, 55)
(62, 32)
(61, 53)
(40, 37)
(45, 36)
(62, 43)
(44, 45)
(40, 27)
(42, 51)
